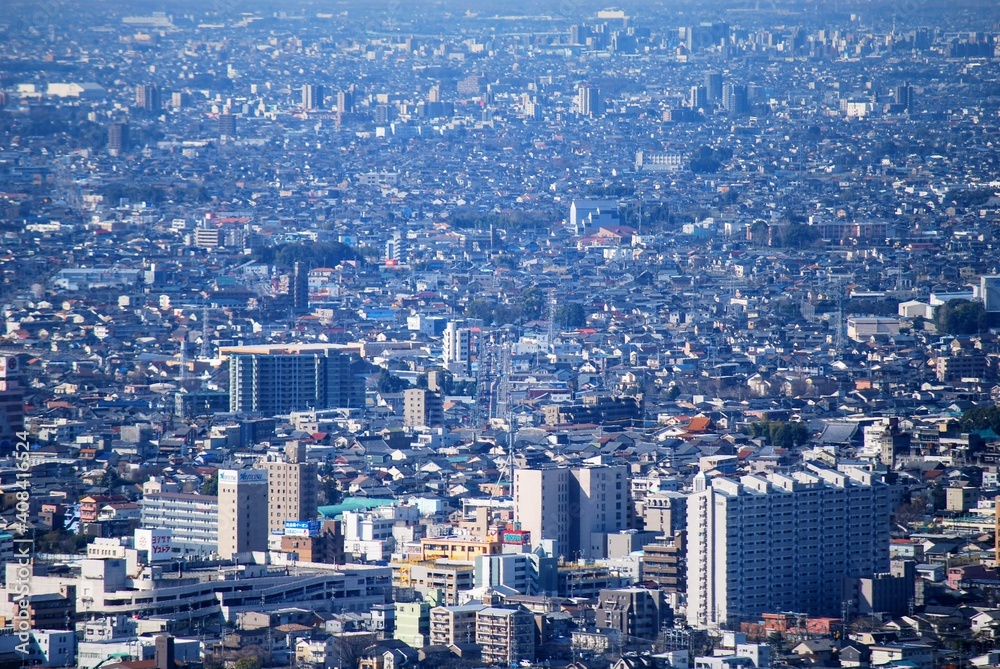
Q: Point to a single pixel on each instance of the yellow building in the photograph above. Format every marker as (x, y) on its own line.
(455, 548)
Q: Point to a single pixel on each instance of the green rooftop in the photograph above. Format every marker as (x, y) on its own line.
(335, 511)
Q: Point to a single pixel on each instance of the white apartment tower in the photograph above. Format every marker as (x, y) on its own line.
(457, 349)
(242, 511)
(782, 543)
(577, 507)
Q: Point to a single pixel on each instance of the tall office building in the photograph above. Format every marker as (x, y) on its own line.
(272, 380)
(734, 99)
(291, 487)
(345, 101)
(11, 403)
(588, 101)
(148, 98)
(118, 140)
(577, 507)
(782, 543)
(457, 348)
(227, 125)
(713, 86)
(300, 289)
(903, 96)
(312, 96)
(698, 98)
(242, 508)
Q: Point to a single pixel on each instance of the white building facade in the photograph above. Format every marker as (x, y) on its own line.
(782, 543)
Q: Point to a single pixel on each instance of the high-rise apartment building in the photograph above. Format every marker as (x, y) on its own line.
(422, 407)
(292, 486)
(345, 101)
(902, 95)
(242, 509)
(312, 96)
(735, 100)
(588, 101)
(148, 98)
(272, 380)
(227, 125)
(577, 507)
(11, 403)
(118, 139)
(713, 86)
(457, 348)
(782, 543)
(698, 99)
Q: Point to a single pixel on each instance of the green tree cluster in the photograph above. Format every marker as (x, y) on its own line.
(706, 160)
(981, 418)
(781, 434)
(527, 306)
(390, 383)
(961, 317)
(472, 218)
(211, 485)
(327, 254)
(571, 315)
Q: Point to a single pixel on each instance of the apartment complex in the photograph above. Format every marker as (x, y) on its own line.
(192, 520)
(454, 624)
(782, 543)
(576, 507)
(633, 612)
(272, 380)
(457, 348)
(506, 636)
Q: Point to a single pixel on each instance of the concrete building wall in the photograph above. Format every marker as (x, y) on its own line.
(785, 543)
(242, 510)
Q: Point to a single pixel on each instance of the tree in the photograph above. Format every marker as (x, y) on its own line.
(571, 315)
(781, 434)
(798, 236)
(250, 657)
(248, 663)
(961, 317)
(211, 485)
(981, 418)
(328, 254)
(390, 383)
(531, 303)
(481, 309)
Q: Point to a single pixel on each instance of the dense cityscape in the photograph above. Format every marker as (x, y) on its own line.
(371, 335)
